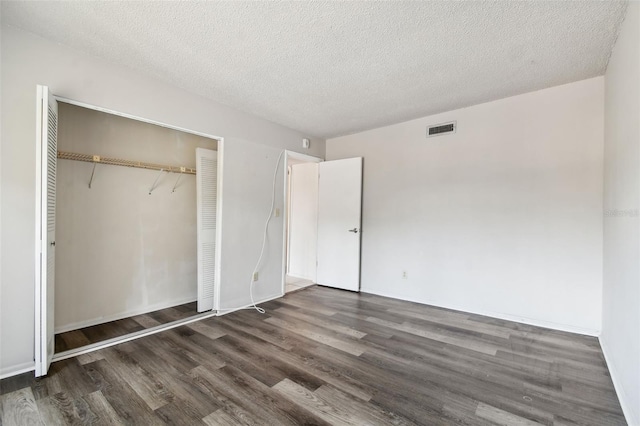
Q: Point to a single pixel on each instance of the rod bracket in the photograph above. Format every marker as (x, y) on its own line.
(155, 182)
(175, 185)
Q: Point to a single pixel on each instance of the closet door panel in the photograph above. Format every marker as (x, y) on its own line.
(206, 192)
(46, 160)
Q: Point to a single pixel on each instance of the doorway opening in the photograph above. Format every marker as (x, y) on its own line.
(301, 226)
(322, 244)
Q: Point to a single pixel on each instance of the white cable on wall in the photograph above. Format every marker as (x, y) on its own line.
(264, 235)
(264, 241)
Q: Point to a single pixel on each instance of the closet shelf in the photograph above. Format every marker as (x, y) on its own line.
(126, 163)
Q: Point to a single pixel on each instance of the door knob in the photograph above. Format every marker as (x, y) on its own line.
(354, 230)
(53, 243)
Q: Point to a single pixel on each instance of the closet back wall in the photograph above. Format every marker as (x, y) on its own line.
(121, 251)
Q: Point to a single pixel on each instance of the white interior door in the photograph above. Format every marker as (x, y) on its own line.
(207, 195)
(46, 158)
(339, 216)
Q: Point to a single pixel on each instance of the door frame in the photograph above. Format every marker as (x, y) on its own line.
(285, 214)
(39, 321)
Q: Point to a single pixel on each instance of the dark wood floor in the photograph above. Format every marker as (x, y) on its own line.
(323, 356)
(101, 332)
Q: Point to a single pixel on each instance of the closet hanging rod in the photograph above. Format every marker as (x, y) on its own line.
(126, 163)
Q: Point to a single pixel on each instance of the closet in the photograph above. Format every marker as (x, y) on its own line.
(134, 224)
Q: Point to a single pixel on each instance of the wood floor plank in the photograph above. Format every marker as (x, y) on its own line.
(89, 357)
(292, 301)
(501, 417)
(178, 413)
(125, 401)
(106, 415)
(187, 399)
(387, 388)
(177, 340)
(272, 337)
(461, 323)
(319, 336)
(266, 404)
(309, 401)
(460, 385)
(468, 363)
(146, 321)
(16, 382)
(209, 385)
(66, 410)
(152, 389)
(355, 306)
(129, 325)
(252, 350)
(279, 336)
(221, 418)
(324, 356)
(20, 408)
(228, 350)
(207, 329)
(70, 378)
(320, 321)
(100, 332)
(359, 322)
(573, 409)
(324, 371)
(166, 315)
(367, 413)
(456, 341)
(463, 409)
(159, 346)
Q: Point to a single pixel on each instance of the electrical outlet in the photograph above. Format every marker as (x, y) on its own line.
(277, 212)
(404, 275)
(255, 276)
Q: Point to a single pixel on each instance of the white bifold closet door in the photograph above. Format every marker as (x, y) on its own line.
(46, 158)
(207, 194)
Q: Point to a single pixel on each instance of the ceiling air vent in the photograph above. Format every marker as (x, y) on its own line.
(441, 129)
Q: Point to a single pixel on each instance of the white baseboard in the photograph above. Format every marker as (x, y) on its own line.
(301, 277)
(267, 299)
(503, 316)
(139, 311)
(633, 418)
(14, 370)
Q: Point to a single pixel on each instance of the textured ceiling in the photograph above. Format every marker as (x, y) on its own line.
(332, 68)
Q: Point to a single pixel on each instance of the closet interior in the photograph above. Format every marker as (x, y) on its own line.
(127, 226)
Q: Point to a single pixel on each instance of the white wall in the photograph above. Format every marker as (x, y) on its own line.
(28, 60)
(119, 250)
(248, 186)
(620, 337)
(503, 218)
(303, 220)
